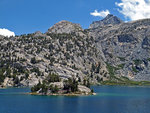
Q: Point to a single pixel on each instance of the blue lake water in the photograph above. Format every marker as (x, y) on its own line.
(109, 99)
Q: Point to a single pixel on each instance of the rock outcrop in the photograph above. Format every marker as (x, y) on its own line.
(84, 89)
(65, 27)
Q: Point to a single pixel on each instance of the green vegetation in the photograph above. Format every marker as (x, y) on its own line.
(71, 85)
(134, 69)
(111, 69)
(45, 86)
(86, 83)
(148, 59)
(95, 68)
(124, 81)
(2, 77)
(121, 66)
(137, 62)
(36, 87)
(122, 58)
(33, 60)
(16, 80)
(36, 70)
(54, 89)
(113, 80)
(53, 78)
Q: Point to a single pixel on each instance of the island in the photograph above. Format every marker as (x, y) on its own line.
(54, 85)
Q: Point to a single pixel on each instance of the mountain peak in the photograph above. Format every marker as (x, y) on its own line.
(64, 27)
(109, 19)
(109, 16)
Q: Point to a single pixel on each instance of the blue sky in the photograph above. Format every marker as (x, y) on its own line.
(28, 16)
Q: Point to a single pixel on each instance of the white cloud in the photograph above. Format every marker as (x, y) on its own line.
(135, 9)
(6, 32)
(101, 13)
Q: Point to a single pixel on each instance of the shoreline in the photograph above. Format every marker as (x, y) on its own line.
(2, 87)
(56, 94)
(101, 84)
(126, 83)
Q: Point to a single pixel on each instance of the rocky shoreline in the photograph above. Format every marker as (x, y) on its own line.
(2, 87)
(54, 85)
(68, 94)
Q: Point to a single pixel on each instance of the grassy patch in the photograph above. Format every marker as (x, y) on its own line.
(124, 81)
(111, 69)
(148, 59)
(121, 66)
(114, 80)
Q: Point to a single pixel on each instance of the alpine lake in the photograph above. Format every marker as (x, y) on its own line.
(109, 99)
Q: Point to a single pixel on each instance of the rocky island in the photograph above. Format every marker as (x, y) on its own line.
(53, 85)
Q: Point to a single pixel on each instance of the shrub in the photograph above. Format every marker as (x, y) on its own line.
(36, 69)
(33, 60)
(53, 78)
(36, 87)
(121, 66)
(122, 58)
(54, 89)
(71, 85)
(137, 62)
(2, 77)
(111, 69)
(134, 69)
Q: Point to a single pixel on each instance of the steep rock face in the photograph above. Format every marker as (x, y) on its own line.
(109, 20)
(126, 48)
(146, 43)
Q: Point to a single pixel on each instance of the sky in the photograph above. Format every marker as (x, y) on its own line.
(28, 16)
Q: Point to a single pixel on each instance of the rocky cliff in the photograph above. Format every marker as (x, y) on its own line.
(108, 48)
(126, 48)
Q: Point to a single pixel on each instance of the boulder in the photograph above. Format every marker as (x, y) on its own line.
(84, 89)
